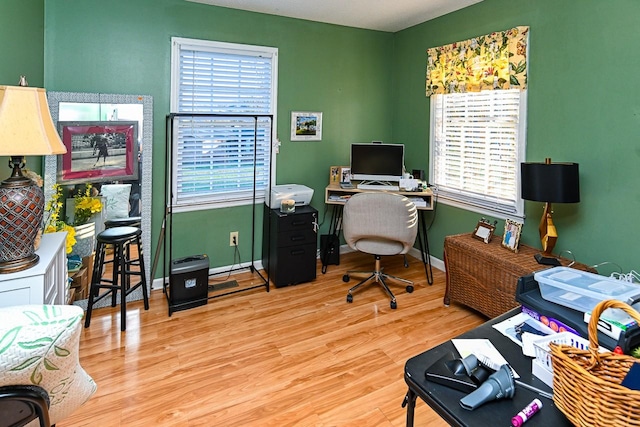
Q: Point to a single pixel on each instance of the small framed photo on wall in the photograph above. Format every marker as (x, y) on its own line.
(511, 237)
(306, 126)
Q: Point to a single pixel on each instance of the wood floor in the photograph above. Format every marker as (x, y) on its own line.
(295, 356)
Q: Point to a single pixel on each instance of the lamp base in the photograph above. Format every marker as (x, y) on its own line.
(19, 265)
(547, 260)
(21, 211)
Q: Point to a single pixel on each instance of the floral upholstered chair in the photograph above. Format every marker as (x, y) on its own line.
(39, 346)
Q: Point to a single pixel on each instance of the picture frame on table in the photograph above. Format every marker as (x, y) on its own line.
(334, 175)
(306, 126)
(98, 151)
(511, 236)
(345, 175)
(484, 231)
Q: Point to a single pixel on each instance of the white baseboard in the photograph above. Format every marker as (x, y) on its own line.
(157, 283)
(344, 249)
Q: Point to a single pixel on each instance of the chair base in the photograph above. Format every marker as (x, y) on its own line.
(377, 276)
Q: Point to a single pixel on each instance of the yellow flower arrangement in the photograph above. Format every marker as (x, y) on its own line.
(53, 223)
(85, 206)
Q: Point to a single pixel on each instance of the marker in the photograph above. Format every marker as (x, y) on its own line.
(531, 409)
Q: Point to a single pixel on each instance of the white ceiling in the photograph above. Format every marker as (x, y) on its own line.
(383, 15)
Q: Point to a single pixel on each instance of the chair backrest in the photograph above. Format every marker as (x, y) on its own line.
(380, 223)
(41, 346)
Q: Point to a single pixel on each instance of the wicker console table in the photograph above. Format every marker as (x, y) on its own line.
(484, 276)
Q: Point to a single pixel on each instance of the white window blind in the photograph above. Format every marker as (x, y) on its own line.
(214, 157)
(477, 144)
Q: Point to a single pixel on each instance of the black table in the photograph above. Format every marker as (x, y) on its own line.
(445, 400)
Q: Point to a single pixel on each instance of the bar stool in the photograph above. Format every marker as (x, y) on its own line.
(120, 238)
(132, 221)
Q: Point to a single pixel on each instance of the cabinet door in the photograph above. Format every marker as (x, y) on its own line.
(296, 264)
(26, 290)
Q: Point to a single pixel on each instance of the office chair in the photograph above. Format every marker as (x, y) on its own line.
(379, 223)
(20, 404)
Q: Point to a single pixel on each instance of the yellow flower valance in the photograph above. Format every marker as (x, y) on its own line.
(493, 61)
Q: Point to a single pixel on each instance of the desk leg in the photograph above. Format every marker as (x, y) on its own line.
(410, 402)
(423, 242)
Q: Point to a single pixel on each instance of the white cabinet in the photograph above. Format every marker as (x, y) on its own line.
(44, 283)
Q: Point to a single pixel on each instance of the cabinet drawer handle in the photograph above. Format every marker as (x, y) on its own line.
(297, 223)
(297, 252)
(297, 238)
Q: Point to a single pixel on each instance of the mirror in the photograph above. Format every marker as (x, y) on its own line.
(82, 107)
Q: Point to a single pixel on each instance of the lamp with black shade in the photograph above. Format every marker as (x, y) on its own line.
(549, 183)
(26, 129)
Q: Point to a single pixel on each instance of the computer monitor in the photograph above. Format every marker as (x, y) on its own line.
(377, 162)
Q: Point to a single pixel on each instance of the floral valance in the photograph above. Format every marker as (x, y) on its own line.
(493, 61)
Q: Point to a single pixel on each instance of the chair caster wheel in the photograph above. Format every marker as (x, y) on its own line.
(393, 305)
(349, 298)
(346, 278)
(409, 288)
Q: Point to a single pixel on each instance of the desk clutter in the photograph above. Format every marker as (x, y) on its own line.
(558, 330)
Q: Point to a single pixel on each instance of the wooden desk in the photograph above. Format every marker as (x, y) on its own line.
(484, 276)
(336, 196)
(445, 400)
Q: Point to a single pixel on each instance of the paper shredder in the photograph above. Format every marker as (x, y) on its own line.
(188, 282)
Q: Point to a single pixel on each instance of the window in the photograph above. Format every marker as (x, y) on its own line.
(477, 144)
(214, 159)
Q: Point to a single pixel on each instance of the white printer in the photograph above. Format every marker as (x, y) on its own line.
(300, 193)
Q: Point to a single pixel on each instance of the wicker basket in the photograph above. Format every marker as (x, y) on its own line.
(586, 384)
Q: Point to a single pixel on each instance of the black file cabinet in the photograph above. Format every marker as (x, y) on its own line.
(289, 245)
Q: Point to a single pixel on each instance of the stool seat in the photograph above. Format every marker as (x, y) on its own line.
(116, 234)
(133, 221)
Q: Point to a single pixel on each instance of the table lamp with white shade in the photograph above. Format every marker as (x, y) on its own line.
(26, 129)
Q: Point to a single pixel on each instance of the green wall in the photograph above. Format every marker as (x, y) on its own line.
(124, 47)
(583, 107)
(582, 103)
(21, 50)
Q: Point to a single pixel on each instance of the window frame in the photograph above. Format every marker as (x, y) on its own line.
(178, 43)
(463, 200)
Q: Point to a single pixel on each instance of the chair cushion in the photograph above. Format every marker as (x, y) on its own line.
(116, 197)
(39, 345)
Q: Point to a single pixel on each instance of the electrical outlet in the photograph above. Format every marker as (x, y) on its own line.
(233, 238)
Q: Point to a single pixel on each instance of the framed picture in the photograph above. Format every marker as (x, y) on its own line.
(306, 126)
(345, 174)
(98, 151)
(484, 231)
(334, 175)
(511, 237)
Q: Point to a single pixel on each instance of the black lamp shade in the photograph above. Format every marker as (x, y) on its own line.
(550, 182)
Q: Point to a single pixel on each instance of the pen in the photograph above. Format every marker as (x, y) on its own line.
(537, 390)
